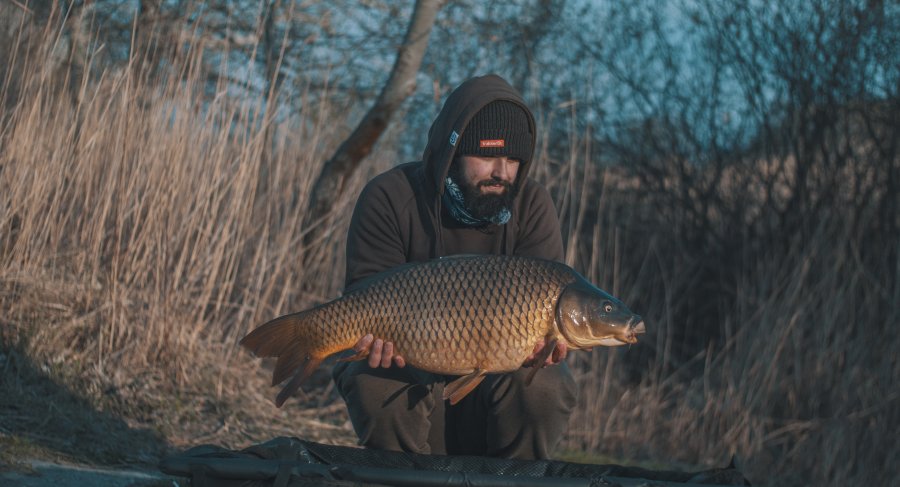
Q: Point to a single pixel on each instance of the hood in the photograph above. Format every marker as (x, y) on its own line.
(462, 104)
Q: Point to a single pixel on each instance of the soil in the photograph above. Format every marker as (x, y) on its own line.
(66, 427)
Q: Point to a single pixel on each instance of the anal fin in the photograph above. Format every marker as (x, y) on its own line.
(459, 388)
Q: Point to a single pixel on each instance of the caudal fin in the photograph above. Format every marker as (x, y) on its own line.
(284, 338)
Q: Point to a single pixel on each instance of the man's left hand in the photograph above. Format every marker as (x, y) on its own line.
(558, 355)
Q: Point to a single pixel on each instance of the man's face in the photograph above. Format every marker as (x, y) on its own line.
(487, 183)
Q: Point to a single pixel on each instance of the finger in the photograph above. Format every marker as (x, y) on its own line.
(375, 354)
(399, 362)
(363, 343)
(387, 354)
(529, 361)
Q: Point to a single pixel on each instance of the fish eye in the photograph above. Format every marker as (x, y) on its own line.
(607, 307)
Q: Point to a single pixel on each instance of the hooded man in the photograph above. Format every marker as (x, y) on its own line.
(470, 194)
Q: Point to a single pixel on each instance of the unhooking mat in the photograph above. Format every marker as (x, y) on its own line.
(291, 462)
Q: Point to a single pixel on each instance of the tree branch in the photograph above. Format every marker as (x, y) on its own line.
(400, 85)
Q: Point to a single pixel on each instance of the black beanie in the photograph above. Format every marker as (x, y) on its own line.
(500, 128)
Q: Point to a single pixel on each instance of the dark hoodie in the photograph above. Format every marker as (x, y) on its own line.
(399, 217)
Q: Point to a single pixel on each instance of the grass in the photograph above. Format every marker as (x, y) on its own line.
(144, 229)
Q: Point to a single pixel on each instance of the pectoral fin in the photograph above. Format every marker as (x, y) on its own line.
(459, 388)
(540, 359)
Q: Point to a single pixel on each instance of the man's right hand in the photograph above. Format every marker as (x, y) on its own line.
(381, 353)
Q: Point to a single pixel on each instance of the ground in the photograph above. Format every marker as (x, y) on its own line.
(61, 426)
(60, 422)
(36, 473)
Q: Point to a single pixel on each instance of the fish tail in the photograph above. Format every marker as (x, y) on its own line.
(274, 337)
(291, 387)
(290, 338)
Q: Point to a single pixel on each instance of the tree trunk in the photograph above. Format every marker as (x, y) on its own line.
(400, 85)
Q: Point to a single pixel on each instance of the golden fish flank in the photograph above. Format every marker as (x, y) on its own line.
(459, 315)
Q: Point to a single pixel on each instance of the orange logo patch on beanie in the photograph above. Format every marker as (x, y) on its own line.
(493, 143)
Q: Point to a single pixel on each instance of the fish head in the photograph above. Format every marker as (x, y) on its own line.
(588, 316)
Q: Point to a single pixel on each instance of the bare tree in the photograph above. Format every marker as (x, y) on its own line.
(400, 84)
(773, 125)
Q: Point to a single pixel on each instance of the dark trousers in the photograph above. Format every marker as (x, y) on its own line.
(402, 410)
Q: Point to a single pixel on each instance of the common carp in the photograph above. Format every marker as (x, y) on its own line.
(466, 315)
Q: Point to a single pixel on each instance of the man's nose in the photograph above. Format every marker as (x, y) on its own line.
(501, 169)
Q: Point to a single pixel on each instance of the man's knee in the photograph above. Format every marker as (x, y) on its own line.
(376, 388)
(530, 419)
(388, 408)
(551, 391)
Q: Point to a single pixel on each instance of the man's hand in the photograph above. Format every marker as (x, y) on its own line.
(381, 353)
(557, 356)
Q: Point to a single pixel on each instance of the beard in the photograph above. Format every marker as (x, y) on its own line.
(481, 205)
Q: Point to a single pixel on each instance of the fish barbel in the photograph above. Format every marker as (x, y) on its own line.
(466, 315)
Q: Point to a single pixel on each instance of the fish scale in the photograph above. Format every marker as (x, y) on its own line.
(455, 315)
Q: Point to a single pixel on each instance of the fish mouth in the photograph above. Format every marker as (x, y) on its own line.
(635, 327)
(638, 327)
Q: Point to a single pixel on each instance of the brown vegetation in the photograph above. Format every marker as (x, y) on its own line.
(140, 238)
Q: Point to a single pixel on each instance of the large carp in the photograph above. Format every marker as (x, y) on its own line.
(466, 315)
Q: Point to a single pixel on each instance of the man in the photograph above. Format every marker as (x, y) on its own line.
(470, 194)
